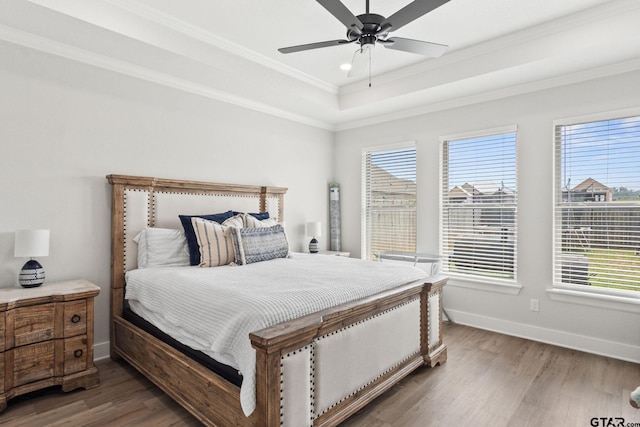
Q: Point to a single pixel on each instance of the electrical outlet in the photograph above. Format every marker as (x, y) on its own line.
(534, 305)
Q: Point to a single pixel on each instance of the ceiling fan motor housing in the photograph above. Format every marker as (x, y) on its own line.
(369, 34)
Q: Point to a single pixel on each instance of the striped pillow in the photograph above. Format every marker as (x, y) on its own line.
(259, 244)
(234, 221)
(214, 241)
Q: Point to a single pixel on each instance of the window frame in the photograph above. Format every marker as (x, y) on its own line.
(474, 281)
(622, 300)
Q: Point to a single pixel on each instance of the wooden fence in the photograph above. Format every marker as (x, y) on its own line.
(392, 229)
(615, 228)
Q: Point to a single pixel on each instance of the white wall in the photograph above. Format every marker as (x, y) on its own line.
(65, 126)
(600, 330)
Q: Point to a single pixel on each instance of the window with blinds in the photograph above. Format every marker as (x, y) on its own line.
(597, 205)
(479, 198)
(388, 200)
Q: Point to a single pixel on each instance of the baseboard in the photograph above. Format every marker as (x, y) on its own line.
(584, 343)
(101, 350)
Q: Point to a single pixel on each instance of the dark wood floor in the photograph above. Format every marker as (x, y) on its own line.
(489, 380)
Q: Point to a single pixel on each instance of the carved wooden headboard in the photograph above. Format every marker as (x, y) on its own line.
(139, 202)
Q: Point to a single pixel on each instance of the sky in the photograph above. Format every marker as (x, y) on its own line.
(607, 151)
(483, 159)
(399, 162)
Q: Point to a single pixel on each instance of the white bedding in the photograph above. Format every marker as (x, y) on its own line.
(214, 309)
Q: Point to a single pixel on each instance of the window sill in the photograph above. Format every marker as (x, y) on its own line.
(487, 285)
(595, 299)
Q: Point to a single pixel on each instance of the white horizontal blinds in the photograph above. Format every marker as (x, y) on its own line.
(478, 206)
(389, 211)
(597, 204)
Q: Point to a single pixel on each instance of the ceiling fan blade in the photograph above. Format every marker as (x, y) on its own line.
(361, 61)
(344, 15)
(415, 46)
(411, 12)
(302, 47)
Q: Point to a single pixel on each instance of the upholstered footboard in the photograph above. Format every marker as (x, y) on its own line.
(322, 368)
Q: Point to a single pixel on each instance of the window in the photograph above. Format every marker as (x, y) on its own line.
(388, 200)
(597, 205)
(479, 199)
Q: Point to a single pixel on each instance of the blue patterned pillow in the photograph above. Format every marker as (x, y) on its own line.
(259, 244)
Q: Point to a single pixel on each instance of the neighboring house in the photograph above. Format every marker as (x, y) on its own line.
(588, 190)
(481, 192)
(389, 190)
(460, 194)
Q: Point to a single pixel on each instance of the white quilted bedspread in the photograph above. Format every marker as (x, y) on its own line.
(214, 309)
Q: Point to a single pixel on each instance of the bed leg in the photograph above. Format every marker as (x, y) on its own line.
(267, 388)
(432, 347)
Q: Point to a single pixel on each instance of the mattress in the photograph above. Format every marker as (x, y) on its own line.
(213, 310)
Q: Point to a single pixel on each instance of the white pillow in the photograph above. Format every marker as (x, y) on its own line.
(162, 247)
(252, 222)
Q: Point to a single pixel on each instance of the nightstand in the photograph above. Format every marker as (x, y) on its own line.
(46, 338)
(336, 253)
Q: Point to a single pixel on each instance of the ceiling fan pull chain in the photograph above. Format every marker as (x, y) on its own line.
(369, 63)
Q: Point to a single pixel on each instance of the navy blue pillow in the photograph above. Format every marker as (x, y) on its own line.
(190, 234)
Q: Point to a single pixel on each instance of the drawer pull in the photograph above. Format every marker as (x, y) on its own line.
(78, 353)
(75, 318)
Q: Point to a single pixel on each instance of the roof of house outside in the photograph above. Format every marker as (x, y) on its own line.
(590, 184)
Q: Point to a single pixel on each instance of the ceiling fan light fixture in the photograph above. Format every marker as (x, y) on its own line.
(345, 67)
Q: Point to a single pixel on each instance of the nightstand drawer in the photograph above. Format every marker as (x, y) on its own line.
(75, 354)
(75, 318)
(33, 362)
(33, 324)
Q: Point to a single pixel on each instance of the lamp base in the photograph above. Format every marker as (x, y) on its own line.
(31, 275)
(313, 246)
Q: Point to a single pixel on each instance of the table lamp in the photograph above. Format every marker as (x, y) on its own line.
(313, 231)
(31, 243)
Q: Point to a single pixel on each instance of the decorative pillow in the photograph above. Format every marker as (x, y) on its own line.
(214, 241)
(257, 215)
(259, 244)
(194, 252)
(251, 221)
(235, 221)
(158, 247)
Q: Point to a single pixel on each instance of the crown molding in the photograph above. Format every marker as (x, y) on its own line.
(42, 44)
(549, 83)
(197, 33)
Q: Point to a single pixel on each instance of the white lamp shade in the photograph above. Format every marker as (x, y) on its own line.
(32, 243)
(314, 229)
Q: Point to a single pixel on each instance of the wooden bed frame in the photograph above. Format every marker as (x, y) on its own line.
(279, 349)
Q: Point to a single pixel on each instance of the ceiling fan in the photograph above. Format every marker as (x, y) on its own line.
(369, 28)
